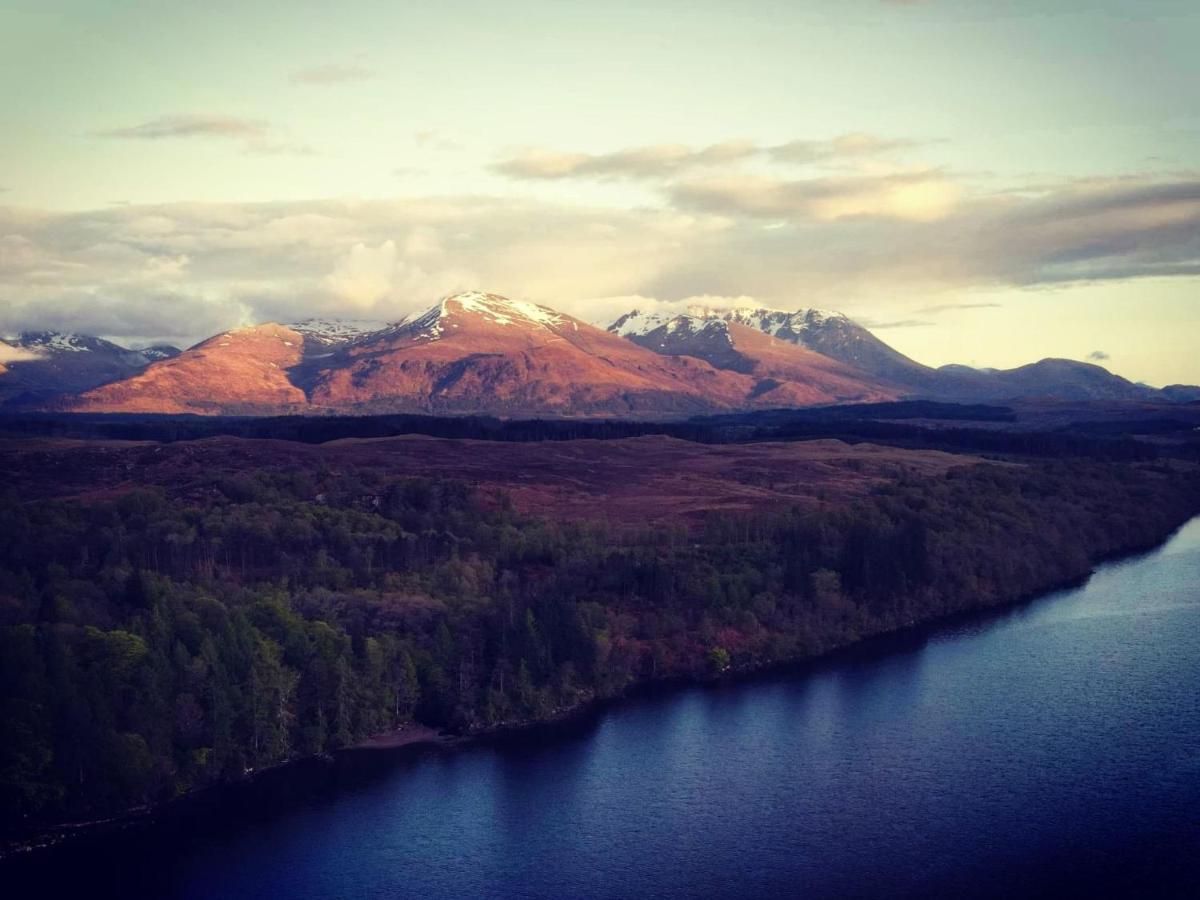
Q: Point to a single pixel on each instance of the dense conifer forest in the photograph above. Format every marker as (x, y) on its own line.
(152, 644)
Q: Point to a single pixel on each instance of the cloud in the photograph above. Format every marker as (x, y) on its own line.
(885, 324)
(665, 161)
(364, 276)
(1097, 356)
(11, 354)
(1100, 230)
(254, 135)
(131, 312)
(434, 140)
(333, 73)
(193, 126)
(636, 162)
(954, 307)
(916, 196)
(181, 271)
(851, 145)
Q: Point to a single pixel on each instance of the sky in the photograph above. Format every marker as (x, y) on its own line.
(987, 183)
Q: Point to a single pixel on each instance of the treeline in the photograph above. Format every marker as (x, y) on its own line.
(917, 424)
(151, 644)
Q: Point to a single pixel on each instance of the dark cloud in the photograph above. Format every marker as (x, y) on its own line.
(334, 73)
(929, 225)
(1097, 356)
(1090, 231)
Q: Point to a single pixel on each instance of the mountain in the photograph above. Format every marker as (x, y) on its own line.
(838, 337)
(40, 365)
(239, 372)
(477, 352)
(1182, 393)
(470, 353)
(787, 373)
(829, 333)
(1056, 379)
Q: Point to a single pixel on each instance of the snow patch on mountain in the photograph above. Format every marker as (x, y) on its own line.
(637, 322)
(777, 321)
(337, 331)
(771, 321)
(56, 341)
(158, 352)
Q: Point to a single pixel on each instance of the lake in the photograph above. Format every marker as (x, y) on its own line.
(1053, 749)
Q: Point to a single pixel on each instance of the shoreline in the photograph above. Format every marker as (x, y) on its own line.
(415, 736)
(408, 735)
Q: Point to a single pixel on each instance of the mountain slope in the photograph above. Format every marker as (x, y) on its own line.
(326, 333)
(786, 373)
(237, 372)
(44, 364)
(830, 334)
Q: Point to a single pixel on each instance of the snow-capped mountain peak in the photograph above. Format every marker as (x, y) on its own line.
(490, 308)
(501, 310)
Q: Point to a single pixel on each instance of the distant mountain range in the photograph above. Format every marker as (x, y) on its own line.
(838, 337)
(37, 367)
(482, 353)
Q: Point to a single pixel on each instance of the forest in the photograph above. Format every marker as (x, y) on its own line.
(152, 644)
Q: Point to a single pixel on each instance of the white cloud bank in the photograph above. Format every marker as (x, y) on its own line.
(184, 271)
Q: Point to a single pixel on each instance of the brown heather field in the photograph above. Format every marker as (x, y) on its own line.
(626, 482)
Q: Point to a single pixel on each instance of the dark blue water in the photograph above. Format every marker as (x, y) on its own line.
(1052, 750)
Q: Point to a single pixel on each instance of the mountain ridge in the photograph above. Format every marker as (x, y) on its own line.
(481, 353)
(838, 337)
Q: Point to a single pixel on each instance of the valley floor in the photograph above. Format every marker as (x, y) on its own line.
(630, 481)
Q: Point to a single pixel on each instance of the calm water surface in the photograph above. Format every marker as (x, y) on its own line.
(1052, 750)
